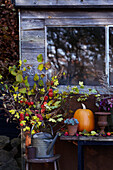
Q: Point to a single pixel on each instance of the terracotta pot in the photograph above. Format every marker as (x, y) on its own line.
(102, 120)
(72, 129)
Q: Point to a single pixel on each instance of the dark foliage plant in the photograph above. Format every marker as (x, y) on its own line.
(9, 39)
(105, 104)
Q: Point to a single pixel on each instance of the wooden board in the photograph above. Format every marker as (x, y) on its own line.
(31, 57)
(33, 35)
(32, 24)
(78, 22)
(62, 2)
(44, 14)
(33, 44)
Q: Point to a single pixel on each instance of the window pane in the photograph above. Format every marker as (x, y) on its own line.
(79, 51)
(111, 54)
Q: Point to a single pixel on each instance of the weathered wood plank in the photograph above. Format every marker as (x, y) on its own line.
(31, 57)
(31, 14)
(28, 13)
(32, 51)
(33, 44)
(34, 35)
(62, 2)
(77, 22)
(29, 24)
(35, 2)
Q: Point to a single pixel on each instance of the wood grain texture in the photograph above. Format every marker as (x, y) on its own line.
(62, 2)
(31, 57)
(30, 24)
(32, 51)
(33, 44)
(33, 35)
(50, 14)
(78, 22)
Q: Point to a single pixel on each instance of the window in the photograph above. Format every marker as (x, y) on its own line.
(81, 52)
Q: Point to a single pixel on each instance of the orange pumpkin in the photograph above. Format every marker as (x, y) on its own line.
(85, 118)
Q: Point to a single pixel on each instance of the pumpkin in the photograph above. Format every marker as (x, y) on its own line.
(85, 118)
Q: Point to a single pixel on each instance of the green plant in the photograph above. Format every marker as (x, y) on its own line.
(39, 104)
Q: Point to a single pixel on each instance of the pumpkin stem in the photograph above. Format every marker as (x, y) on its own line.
(83, 105)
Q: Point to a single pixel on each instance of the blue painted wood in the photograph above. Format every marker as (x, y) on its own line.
(80, 156)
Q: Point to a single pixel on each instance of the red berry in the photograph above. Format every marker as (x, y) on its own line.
(42, 106)
(21, 124)
(108, 134)
(29, 103)
(42, 110)
(26, 102)
(21, 101)
(50, 94)
(50, 90)
(32, 103)
(22, 118)
(52, 83)
(66, 133)
(26, 114)
(46, 98)
(45, 103)
(21, 114)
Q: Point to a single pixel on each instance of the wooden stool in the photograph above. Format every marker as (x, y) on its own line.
(54, 159)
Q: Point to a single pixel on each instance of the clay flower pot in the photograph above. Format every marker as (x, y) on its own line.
(72, 129)
(102, 120)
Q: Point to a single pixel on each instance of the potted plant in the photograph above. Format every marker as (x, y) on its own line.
(72, 125)
(104, 105)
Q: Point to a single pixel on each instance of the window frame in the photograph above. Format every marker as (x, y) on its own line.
(107, 57)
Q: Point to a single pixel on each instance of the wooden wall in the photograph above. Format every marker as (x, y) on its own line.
(33, 24)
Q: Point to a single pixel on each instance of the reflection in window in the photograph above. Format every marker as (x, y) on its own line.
(79, 51)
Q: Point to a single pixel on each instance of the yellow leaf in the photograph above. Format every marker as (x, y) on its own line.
(32, 132)
(52, 120)
(81, 83)
(24, 129)
(24, 69)
(40, 67)
(20, 62)
(17, 115)
(28, 128)
(56, 83)
(12, 111)
(42, 90)
(48, 116)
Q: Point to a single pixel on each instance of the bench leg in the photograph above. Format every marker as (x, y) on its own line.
(27, 166)
(55, 165)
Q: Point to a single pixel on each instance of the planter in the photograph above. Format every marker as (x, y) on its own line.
(72, 129)
(102, 120)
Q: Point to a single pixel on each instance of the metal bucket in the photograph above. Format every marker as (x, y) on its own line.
(43, 142)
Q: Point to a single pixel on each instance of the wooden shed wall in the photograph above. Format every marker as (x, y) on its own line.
(33, 25)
